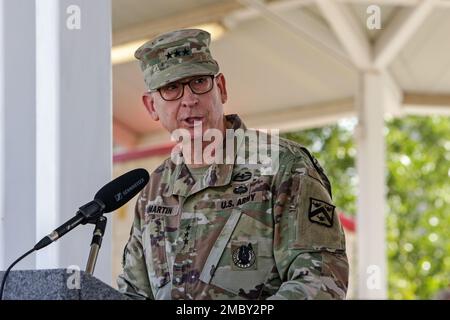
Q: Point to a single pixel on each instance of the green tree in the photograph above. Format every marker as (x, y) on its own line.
(334, 147)
(418, 219)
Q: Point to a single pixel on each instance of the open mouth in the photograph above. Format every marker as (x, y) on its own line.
(193, 121)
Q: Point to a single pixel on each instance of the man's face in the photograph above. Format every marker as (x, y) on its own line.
(191, 109)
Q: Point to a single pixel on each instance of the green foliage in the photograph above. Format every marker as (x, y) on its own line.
(418, 219)
(334, 147)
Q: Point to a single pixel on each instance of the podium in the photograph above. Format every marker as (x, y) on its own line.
(57, 284)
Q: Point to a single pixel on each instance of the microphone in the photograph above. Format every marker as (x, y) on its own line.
(109, 198)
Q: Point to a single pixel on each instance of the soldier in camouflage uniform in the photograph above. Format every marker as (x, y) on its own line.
(227, 230)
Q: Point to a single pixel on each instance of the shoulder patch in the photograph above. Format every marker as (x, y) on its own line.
(321, 212)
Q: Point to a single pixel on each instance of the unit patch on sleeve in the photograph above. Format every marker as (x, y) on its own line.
(321, 212)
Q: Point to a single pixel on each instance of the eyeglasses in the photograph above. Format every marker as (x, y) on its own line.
(175, 90)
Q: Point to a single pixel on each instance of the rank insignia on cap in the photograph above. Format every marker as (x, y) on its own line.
(321, 212)
(242, 176)
(244, 256)
(175, 55)
(178, 52)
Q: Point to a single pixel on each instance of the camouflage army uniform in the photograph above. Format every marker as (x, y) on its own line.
(237, 233)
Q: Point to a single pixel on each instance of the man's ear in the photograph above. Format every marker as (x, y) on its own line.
(149, 104)
(221, 83)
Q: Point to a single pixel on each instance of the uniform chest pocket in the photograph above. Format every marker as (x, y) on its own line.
(241, 258)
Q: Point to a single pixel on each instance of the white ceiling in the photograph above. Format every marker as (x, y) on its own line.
(424, 63)
(128, 13)
(270, 68)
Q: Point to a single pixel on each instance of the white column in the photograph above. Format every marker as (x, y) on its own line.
(17, 132)
(74, 124)
(371, 198)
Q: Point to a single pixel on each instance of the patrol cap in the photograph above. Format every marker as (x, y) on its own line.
(176, 55)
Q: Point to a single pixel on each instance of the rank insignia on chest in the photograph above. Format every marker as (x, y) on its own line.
(321, 212)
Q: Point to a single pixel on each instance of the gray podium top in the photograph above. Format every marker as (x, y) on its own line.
(56, 284)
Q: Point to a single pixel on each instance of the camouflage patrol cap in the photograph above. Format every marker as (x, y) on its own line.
(176, 55)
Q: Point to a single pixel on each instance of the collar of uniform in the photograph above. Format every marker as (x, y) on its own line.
(217, 175)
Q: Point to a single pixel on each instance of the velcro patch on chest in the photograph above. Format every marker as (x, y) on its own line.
(242, 176)
(222, 204)
(244, 255)
(163, 210)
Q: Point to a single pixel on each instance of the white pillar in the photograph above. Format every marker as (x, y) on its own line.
(17, 132)
(74, 124)
(371, 198)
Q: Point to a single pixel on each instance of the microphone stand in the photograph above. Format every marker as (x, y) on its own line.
(99, 231)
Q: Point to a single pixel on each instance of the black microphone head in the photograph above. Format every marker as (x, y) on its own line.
(122, 189)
